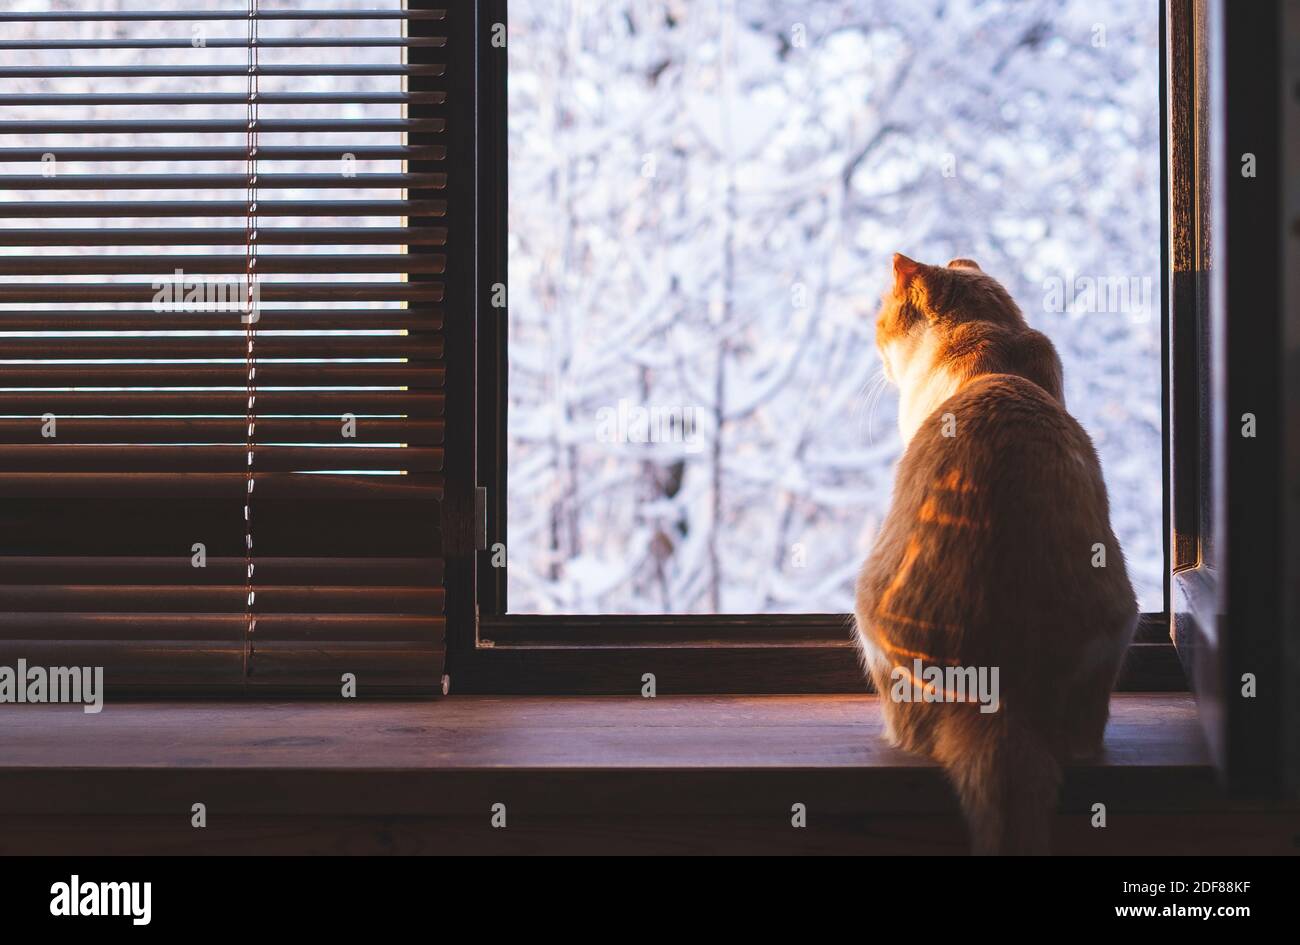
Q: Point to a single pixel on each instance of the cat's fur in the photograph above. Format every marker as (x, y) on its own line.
(987, 557)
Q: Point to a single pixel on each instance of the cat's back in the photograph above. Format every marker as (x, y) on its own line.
(999, 518)
(1008, 441)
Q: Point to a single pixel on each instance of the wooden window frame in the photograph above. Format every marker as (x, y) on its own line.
(1232, 286)
(502, 653)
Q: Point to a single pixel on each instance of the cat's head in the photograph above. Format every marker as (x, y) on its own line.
(940, 326)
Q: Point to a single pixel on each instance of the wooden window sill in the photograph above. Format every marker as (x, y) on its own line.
(631, 772)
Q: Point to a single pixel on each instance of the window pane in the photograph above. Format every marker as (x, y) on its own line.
(704, 200)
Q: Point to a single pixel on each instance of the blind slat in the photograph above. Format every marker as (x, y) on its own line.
(88, 319)
(145, 430)
(68, 209)
(332, 403)
(145, 293)
(274, 374)
(83, 99)
(269, 485)
(230, 13)
(58, 457)
(186, 126)
(315, 152)
(270, 346)
(221, 181)
(270, 264)
(205, 72)
(226, 236)
(179, 599)
(300, 42)
(180, 569)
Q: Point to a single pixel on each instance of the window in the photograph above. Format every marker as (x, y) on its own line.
(222, 300)
(704, 199)
(367, 206)
(614, 167)
(126, 426)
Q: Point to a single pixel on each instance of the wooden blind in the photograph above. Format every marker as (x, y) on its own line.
(221, 406)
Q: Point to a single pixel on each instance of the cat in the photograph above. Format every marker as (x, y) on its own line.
(996, 555)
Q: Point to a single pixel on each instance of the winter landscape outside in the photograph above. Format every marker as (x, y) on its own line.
(704, 200)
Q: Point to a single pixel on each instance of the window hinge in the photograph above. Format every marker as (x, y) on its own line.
(480, 518)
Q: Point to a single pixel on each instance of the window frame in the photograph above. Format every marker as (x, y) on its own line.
(1234, 582)
(503, 653)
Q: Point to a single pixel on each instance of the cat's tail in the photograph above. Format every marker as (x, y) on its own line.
(1006, 778)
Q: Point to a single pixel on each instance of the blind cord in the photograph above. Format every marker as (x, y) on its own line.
(251, 315)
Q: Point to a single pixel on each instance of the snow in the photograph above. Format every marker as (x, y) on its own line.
(704, 199)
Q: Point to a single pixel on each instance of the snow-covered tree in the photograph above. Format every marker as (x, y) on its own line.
(704, 199)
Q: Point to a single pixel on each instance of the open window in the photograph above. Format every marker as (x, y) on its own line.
(1216, 171)
(682, 443)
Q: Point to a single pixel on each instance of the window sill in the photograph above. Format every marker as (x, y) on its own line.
(416, 776)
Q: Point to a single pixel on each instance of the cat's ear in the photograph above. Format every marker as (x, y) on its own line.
(964, 264)
(905, 270)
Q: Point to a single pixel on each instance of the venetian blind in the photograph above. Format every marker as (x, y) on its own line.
(224, 232)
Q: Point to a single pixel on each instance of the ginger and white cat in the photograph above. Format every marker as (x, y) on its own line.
(997, 554)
